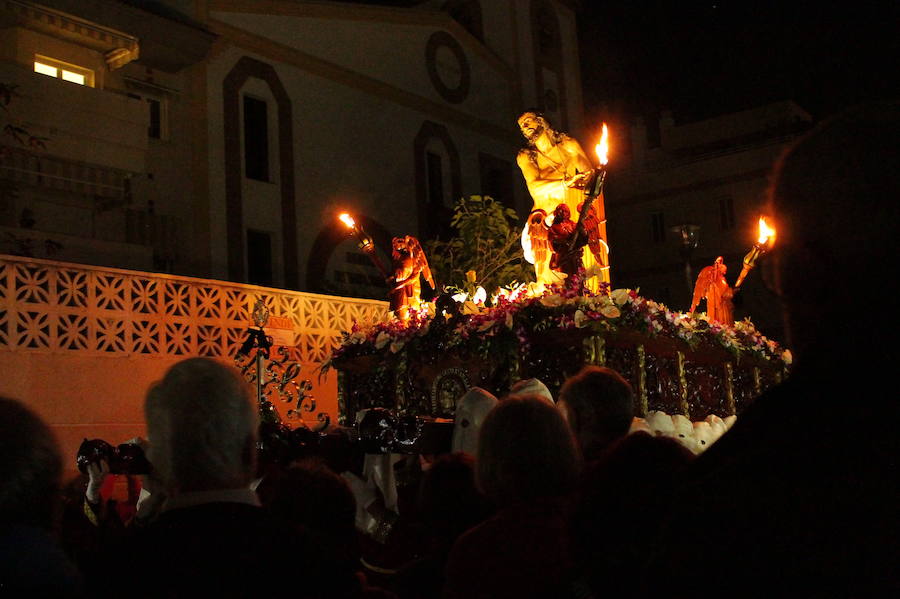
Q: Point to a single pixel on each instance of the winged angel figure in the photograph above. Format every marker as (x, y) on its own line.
(409, 264)
(547, 243)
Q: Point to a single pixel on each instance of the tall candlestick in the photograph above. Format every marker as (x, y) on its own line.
(595, 187)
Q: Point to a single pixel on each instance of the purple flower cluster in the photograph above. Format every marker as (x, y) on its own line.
(559, 308)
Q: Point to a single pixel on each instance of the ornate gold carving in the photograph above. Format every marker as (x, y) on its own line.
(729, 388)
(642, 379)
(595, 350)
(447, 387)
(682, 386)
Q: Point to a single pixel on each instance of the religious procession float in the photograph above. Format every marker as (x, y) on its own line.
(423, 358)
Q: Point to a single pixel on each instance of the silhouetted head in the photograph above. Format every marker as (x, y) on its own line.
(202, 426)
(525, 451)
(449, 501)
(31, 468)
(598, 404)
(834, 202)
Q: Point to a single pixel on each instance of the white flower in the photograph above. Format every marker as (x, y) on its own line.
(581, 319)
(381, 340)
(552, 301)
(787, 356)
(610, 311)
(509, 320)
(620, 296)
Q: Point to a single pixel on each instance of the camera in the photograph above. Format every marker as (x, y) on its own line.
(127, 458)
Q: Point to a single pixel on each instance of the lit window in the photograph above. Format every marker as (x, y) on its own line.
(73, 77)
(61, 70)
(45, 69)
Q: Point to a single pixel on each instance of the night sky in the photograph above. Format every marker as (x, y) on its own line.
(703, 59)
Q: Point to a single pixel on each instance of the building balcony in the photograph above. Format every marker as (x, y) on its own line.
(80, 123)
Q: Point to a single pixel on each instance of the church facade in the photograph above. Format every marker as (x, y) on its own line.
(221, 138)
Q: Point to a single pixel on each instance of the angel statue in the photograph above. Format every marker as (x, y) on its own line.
(537, 245)
(711, 284)
(560, 241)
(409, 263)
(556, 170)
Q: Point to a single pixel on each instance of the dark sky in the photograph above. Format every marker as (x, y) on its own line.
(700, 59)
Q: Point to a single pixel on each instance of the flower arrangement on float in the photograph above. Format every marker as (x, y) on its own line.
(514, 317)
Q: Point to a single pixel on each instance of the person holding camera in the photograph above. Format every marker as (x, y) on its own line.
(211, 535)
(129, 467)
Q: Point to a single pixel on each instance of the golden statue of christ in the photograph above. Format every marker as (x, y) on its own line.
(556, 169)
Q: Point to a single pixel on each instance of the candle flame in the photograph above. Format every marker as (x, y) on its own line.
(766, 233)
(602, 148)
(347, 220)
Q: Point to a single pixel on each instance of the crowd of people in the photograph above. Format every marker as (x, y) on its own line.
(539, 496)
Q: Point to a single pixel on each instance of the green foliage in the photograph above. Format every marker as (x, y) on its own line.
(487, 241)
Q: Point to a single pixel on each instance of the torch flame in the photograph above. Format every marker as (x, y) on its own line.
(602, 148)
(347, 220)
(766, 233)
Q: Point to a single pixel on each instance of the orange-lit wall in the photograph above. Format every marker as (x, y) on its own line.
(81, 345)
(103, 397)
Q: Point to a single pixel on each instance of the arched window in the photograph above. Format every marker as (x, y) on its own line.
(238, 248)
(336, 265)
(497, 179)
(438, 179)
